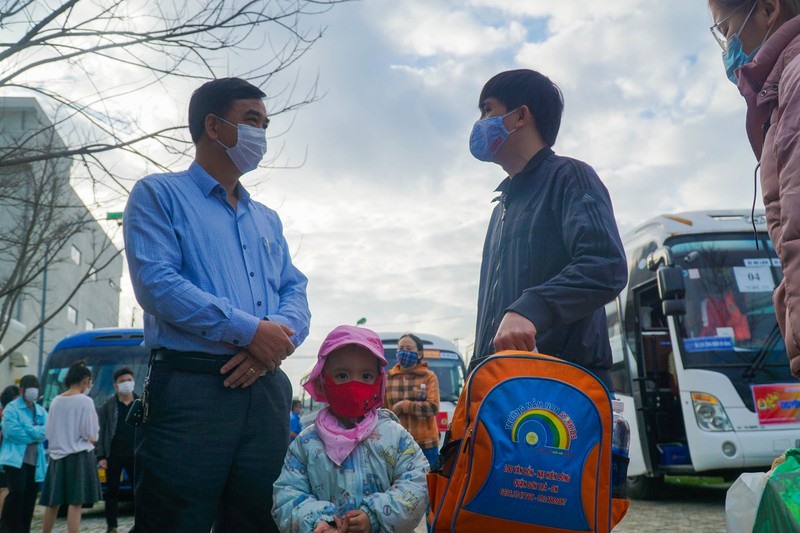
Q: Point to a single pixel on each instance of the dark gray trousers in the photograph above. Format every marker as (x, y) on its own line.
(209, 455)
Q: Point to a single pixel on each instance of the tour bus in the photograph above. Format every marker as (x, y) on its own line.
(104, 350)
(699, 361)
(443, 359)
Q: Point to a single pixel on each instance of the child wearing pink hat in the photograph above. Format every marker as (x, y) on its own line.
(356, 469)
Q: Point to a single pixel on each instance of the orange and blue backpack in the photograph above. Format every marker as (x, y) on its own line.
(529, 447)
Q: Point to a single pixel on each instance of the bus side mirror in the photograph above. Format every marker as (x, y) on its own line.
(671, 290)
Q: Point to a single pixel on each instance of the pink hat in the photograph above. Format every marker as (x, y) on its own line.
(343, 336)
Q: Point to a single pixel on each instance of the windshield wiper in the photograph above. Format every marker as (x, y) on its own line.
(758, 362)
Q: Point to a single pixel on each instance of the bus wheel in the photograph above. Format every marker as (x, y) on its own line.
(644, 487)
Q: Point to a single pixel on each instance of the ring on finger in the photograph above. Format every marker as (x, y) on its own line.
(251, 371)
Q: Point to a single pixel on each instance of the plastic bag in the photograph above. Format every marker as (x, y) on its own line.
(742, 500)
(779, 509)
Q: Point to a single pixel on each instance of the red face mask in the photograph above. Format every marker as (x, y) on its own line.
(353, 399)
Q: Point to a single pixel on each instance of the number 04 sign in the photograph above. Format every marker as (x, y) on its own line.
(754, 279)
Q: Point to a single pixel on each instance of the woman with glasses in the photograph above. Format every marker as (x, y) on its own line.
(72, 429)
(760, 41)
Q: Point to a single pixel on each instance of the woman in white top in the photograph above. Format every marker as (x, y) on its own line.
(71, 432)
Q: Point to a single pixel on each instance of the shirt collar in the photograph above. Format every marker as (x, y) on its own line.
(208, 185)
(505, 186)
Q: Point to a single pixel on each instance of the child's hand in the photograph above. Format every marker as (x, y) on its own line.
(342, 525)
(359, 522)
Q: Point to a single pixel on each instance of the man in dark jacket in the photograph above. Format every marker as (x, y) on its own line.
(115, 446)
(552, 257)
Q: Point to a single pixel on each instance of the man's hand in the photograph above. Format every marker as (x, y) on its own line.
(271, 344)
(244, 369)
(515, 333)
(102, 463)
(359, 522)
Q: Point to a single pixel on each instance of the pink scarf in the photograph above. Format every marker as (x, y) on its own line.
(340, 441)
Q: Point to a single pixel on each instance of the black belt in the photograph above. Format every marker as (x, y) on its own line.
(200, 362)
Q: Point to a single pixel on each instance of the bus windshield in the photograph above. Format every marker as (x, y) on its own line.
(103, 361)
(447, 366)
(730, 320)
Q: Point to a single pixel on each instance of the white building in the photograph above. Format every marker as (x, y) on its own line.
(39, 208)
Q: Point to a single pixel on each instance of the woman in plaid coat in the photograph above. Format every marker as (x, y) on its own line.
(412, 392)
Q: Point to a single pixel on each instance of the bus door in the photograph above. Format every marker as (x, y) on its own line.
(657, 380)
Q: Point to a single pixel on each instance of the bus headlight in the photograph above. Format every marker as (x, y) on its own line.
(709, 413)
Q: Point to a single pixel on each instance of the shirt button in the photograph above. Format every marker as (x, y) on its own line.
(764, 92)
(252, 275)
(203, 333)
(244, 247)
(235, 341)
(258, 304)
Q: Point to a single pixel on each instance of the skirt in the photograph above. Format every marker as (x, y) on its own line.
(71, 480)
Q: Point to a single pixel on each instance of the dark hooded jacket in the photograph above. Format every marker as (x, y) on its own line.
(554, 255)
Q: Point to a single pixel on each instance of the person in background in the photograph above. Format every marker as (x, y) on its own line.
(355, 469)
(294, 419)
(760, 41)
(22, 455)
(115, 447)
(412, 392)
(9, 393)
(72, 428)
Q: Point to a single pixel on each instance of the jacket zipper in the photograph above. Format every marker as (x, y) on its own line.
(496, 279)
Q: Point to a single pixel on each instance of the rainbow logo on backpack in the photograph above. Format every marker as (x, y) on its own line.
(529, 447)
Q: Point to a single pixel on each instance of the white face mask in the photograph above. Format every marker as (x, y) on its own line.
(126, 387)
(251, 145)
(31, 394)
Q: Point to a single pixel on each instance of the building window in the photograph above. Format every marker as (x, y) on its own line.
(75, 254)
(89, 324)
(72, 314)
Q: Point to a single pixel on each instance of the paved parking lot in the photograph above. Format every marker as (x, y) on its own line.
(681, 509)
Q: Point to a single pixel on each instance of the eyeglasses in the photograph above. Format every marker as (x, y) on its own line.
(717, 33)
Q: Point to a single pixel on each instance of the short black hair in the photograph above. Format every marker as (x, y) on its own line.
(414, 338)
(78, 371)
(216, 97)
(295, 403)
(515, 88)
(124, 371)
(28, 381)
(8, 394)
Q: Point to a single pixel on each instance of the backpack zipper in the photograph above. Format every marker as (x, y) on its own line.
(469, 443)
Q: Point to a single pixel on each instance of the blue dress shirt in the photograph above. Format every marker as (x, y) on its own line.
(203, 273)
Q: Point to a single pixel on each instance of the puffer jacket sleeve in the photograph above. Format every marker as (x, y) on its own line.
(787, 151)
(295, 508)
(401, 507)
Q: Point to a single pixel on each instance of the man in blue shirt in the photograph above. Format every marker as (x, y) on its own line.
(224, 306)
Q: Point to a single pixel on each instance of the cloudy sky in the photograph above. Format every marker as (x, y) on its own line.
(386, 210)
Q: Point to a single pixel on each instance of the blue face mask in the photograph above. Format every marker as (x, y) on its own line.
(488, 136)
(734, 57)
(407, 358)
